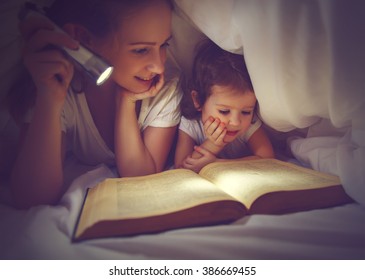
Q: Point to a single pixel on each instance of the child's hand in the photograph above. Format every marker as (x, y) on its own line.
(196, 164)
(215, 131)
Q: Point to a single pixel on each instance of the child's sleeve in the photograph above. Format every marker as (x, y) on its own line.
(256, 124)
(193, 129)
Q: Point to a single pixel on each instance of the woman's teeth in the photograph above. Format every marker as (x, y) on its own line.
(145, 79)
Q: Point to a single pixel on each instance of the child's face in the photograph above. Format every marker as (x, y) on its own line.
(138, 49)
(233, 107)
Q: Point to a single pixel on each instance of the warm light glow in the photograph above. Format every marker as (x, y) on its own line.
(104, 76)
(258, 181)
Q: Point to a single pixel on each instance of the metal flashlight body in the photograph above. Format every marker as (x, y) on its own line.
(94, 65)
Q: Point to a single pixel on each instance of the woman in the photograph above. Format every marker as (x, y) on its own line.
(128, 121)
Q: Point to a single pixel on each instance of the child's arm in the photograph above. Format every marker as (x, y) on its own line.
(259, 145)
(215, 131)
(190, 156)
(184, 148)
(193, 157)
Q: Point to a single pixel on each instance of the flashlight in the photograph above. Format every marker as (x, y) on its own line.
(97, 68)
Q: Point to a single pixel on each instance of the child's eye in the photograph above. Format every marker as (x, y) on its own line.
(246, 113)
(223, 112)
(140, 51)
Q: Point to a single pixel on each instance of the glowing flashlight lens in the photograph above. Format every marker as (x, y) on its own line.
(104, 76)
(97, 68)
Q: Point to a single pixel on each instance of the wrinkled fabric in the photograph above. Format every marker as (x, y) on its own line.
(307, 65)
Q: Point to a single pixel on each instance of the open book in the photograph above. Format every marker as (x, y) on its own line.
(221, 193)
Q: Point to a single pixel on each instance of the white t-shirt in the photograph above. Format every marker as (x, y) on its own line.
(83, 138)
(236, 149)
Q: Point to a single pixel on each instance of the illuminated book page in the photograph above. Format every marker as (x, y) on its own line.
(166, 192)
(249, 179)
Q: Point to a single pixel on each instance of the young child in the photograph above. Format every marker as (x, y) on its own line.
(219, 112)
(129, 121)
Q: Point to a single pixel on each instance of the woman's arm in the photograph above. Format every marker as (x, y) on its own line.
(139, 153)
(158, 141)
(37, 176)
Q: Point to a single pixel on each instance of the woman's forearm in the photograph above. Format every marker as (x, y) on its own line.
(132, 156)
(37, 176)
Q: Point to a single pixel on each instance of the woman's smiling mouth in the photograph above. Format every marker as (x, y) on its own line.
(146, 82)
(145, 79)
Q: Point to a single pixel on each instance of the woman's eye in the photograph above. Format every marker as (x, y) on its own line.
(224, 112)
(140, 51)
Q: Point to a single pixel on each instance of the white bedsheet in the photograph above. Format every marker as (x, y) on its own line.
(300, 78)
(45, 232)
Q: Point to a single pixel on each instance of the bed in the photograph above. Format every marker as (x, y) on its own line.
(307, 74)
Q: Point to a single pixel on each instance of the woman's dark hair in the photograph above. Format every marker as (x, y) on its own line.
(100, 17)
(213, 66)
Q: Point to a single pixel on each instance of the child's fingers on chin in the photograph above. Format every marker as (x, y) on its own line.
(208, 122)
(218, 132)
(211, 128)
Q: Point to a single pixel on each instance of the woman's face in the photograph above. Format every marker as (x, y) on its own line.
(138, 49)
